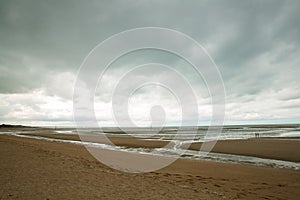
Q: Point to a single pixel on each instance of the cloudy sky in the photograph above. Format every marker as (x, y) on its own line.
(255, 44)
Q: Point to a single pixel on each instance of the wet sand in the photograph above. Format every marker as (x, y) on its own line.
(36, 169)
(279, 149)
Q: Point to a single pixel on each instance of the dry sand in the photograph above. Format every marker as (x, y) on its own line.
(36, 169)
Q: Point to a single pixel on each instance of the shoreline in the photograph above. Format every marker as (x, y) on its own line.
(277, 149)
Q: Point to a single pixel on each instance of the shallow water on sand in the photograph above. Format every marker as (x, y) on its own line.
(175, 150)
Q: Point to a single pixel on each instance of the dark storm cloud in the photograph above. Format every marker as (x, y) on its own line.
(61, 33)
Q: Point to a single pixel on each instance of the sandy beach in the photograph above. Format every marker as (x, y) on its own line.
(37, 169)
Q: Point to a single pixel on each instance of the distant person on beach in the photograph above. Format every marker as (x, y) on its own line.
(256, 135)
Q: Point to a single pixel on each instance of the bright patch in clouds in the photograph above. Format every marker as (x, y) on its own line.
(35, 107)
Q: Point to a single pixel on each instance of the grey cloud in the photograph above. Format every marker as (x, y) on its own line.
(255, 43)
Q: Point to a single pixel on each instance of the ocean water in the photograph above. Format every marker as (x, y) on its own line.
(198, 133)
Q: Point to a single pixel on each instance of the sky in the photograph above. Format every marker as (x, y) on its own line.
(255, 44)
